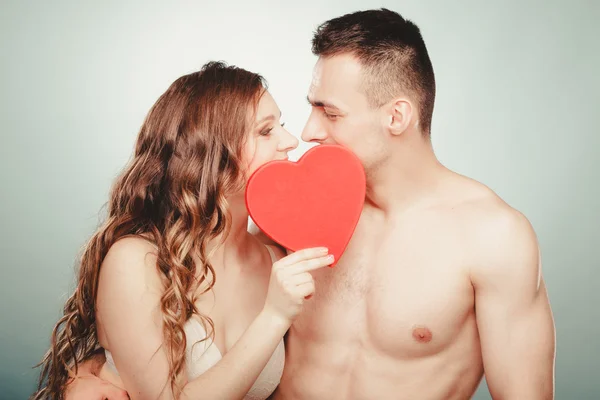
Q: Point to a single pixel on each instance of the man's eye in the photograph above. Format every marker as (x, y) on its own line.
(330, 116)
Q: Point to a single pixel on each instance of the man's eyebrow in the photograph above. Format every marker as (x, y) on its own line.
(317, 103)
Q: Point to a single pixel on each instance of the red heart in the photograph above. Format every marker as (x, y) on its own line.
(314, 202)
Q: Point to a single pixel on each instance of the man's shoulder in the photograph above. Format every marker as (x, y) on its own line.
(498, 235)
(483, 207)
(495, 222)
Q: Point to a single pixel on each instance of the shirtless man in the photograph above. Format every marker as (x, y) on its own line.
(442, 279)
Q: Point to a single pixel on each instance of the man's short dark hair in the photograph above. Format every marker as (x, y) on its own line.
(391, 51)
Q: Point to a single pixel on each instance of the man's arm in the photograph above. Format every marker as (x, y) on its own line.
(514, 317)
(92, 365)
(88, 385)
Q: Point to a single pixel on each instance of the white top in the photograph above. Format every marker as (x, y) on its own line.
(201, 356)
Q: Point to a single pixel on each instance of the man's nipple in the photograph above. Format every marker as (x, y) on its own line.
(422, 334)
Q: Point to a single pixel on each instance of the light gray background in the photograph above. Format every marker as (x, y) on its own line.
(516, 109)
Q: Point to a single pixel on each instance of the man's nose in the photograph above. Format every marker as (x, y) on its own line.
(313, 130)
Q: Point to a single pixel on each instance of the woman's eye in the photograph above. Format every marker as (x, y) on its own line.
(266, 132)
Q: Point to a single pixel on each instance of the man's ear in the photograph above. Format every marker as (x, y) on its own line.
(399, 116)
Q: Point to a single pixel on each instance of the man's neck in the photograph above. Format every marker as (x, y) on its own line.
(407, 178)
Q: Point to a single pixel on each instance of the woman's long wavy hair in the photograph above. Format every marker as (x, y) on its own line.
(187, 157)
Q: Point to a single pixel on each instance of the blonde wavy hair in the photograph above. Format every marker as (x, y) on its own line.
(187, 158)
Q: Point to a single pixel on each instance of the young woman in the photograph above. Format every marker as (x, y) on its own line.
(183, 300)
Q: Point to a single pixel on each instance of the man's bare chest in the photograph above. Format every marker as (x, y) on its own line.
(404, 290)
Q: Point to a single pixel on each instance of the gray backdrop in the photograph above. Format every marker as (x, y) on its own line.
(517, 91)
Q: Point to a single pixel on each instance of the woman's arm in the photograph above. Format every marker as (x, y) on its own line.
(129, 309)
